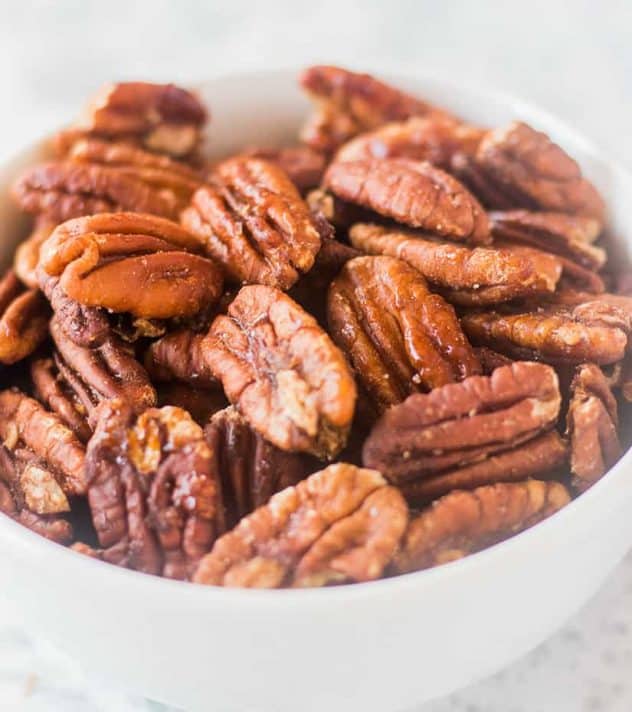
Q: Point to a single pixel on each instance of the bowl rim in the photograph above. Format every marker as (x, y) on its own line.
(601, 494)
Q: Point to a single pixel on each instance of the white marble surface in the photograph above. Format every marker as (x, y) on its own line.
(573, 58)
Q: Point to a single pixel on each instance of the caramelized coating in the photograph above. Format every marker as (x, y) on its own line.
(253, 221)
(180, 356)
(399, 337)
(304, 166)
(341, 524)
(462, 523)
(27, 253)
(465, 275)
(96, 258)
(23, 319)
(414, 193)
(282, 372)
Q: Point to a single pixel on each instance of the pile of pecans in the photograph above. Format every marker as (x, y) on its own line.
(389, 345)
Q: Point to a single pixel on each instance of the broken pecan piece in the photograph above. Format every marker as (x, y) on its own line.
(153, 494)
(253, 221)
(592, 423)
(127, 262)
(462, 523)
(462, 423)
(414, 193)
(465, 275)
(341, 524)
(282, 372)
(399, 337)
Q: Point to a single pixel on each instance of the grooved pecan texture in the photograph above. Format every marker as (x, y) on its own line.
(304, 166)
(27, 253)
(180, 356)
(23, 319)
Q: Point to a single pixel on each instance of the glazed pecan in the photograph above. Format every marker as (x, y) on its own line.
(303, 165)
(23, 319)
(254, 222)
(399, 337)
(27, 253)
(31, 434)
(127, 262)
(180, 356)
(282, 371)
(519, 167)
(462, 523)
(250, 468)
(153, 494)
(348, 103)
(341, 524)
(592, 423)
(462, 423)
(465, 275)
(414, 193)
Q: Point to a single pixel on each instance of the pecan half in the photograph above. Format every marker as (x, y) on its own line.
(303, 165)
(341, 524)
(519, 167)
(414, 193)
(399, 337)
(127, 262)
(180, 356)
(27, 253)
(462, 523)
(23, 319)
(153, 494)
(465, 275)
(592, 423)
(282, 371)
(254, 222)
(348, 103)
(463, 423)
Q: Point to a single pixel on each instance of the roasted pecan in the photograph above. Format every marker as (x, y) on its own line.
(399, 337)
(414, 193)
(338, 214)
(153, 494)
(282, 371)
(465, 275)
(348, 103)
(23, 319)
(462, 423)
(201, 403)
(341, 524)
(127, 262)
(31, 434)
(592, 423)
(462, 523)
(253, 221)
(519, 167)
(180, 356)
(27, 253)
(303, 165)
(491, 360)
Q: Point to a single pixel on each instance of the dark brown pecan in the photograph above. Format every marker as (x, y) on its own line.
(414, 193)
(24, 318)
(31, 433)
(303, 165)
(153, 494)
(27, 253)
(127, 262)
(180, 356)
(462, 523)
(342, 524)
(254, 222)
(283, 372)
(399, 337)
(348, 103)
(592, 423)
(491, 360)
(200, 403)
(519, 167)
(465, 275)
(462, 423)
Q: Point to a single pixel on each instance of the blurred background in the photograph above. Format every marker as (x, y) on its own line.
(572, 58)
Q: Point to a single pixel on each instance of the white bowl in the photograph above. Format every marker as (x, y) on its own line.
(382, 646)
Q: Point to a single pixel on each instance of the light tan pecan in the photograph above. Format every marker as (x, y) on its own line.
(341, 524)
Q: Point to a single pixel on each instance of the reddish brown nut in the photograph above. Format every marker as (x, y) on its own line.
(24, 318)
(154, 497)
(414, 193)
(282, 372)
(127, 262)
(491, 360)
(465, 275)
(31, 433)
(462, 523)
(200, 403)
(399, 337)
(348, 103)
(303, 165)
(519, 167)
(342, 524)
(462, 423)
(253, 221)
(592, 423)
(27, 253)
(180, 356)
